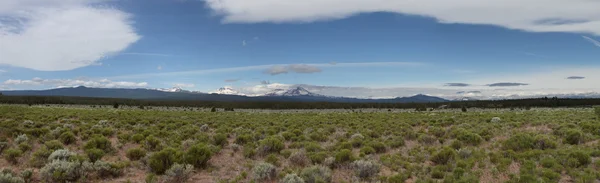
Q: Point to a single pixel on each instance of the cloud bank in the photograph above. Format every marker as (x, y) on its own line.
(506, 84)
(457, 84)
(581, 16)
(296, 68)
(57, 35)
(575, 77)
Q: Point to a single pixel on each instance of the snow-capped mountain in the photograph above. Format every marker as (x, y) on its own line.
(174, 89)
(227, 90)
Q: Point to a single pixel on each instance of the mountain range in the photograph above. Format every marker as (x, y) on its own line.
(223, 94)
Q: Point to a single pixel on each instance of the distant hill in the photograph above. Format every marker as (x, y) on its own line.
(297, 94)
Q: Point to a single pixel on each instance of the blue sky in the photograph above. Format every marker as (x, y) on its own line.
(204, 45)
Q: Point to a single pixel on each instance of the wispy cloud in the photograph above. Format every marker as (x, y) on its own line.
(593, 41)
(2, 71)
(147, 54)
(159, 68)
(457, 84)
(296, 68)
(575, 77)
(504, 84)
(100, 83)
(231, 80)
(468, 92)
(263, 67)
(244, 43)
(184, 85)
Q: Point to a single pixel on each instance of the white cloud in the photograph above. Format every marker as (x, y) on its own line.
(2, 71)
(593, 41)
(184, 85)
(159, 67)
(244, 43)
(529, 15)
(56, 35)
(147, 54)
(102, 83)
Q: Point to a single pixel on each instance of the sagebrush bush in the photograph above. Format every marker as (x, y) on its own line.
(135, 153)
(574, 137)
(470, 138)
(496, 120)
(152, 143)
(7, 177)
(106, 169)
(40, 157)
(270, 145)
(21, 138)
(582, 158)
(94, 154)
(315, 174)
(67, 137)
(292, 178)
(264, 171)
(367, 150)
(12, 155)
(26, 175)
(160, 161)
(519, 142)
(62, 171)
(137, 138)
(365, 169)
(299, 158)
(318, 158)
(344, 156)
(220, 139)
(597, 111)
(24, 147)
(179, 172)
(53, 145)
(61, 154)
(444, 156)
(198, 155)
(99, 142)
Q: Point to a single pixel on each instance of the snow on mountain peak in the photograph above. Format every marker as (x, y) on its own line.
(226, 90)
(174, 89)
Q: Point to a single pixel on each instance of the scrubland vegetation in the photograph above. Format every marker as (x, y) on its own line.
(46, 144)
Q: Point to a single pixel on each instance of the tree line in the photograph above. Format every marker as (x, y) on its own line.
(517, 103)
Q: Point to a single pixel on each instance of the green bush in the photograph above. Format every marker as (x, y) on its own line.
(62, 155)
(12, 155)
(99, 142)
(24, 147)
(378, 146)
(318, 158)
(444, 156)
(299, 158)
(398, 178)
(367, 150)
(53, 145)
(470, 138)
(396, 142)
(597, 111)
(574, 137)
(67, 137)
(152, 143)
(63, 171)
(198, 155)
(94, 154)
(519, 142)
(582, 158)
(160, 161)
(344, 156)
(317, 173)
(220, 139)
(40, 157)
(137, 138)
(270, 145)
(135, 153)
(105, 169)
(272, 159)
(243, 139)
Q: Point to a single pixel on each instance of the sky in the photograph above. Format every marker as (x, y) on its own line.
(493, 47)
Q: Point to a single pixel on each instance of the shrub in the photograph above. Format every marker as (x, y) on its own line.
(496, 120)
(444, 156)
(151, 178)
(249, 151)
(398, 178)
(99, 142)
(299, 158)
(427, 139)
(105, 169)
(243, 139)
(137, 138)
(519, 142)
(329, 161)
(61, 154)
(220, 139)
(179, 172)
(378, 146)
(62, 171)
(264, 171)
(581, 158)
(67, 137)
(204, 127)
(357, 136)
(12, 155)
(544, 142)
(597, 111)
(463, 109)
(343, 156)
(574, 137)
(53, 145)
(367, 150)
(135, 153)
(152, 143)
(24, 147)
(160, 161)
(317, 173)
(94, 154)
(396, 142)
(26, 175)
(318, 157)
(270, 145)
(21, 138)
(198, 155)
(40, 157)
(7, 177)
(365, 169)
(292, 178)
(470, 138)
